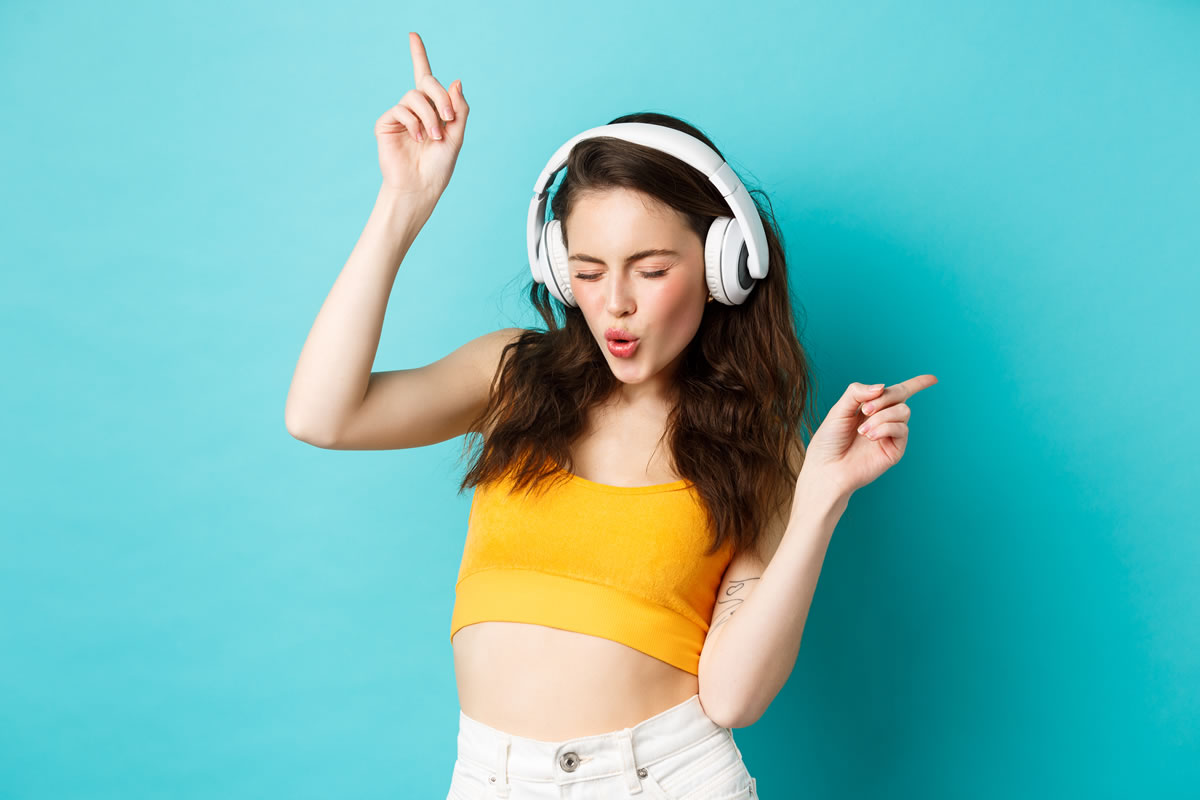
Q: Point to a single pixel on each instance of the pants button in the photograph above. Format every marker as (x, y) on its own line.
(569, 761)
(641, 772)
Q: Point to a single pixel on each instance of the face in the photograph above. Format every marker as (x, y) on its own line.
(657, 298)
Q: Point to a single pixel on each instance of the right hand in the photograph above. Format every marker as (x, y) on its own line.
(421, 167)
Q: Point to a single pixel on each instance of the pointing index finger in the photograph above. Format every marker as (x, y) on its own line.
(908, 388)
(897, 393)
(419, 58)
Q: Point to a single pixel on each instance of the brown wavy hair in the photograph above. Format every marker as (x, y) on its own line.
(745, 395)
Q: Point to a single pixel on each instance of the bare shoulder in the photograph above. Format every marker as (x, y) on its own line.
(490, 354)
(492, 347)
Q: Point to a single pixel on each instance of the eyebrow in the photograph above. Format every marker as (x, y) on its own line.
(656, 251)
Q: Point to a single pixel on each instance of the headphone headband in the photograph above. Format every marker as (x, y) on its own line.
(683, 146)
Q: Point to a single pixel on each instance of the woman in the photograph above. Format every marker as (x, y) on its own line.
(640, 465)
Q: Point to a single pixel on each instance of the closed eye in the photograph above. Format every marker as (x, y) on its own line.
(591, 276)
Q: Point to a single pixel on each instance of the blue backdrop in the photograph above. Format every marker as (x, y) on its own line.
(193, 604)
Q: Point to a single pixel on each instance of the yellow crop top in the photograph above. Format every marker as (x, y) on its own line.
(625, 563)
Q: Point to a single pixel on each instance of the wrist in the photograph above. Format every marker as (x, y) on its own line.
(403, 208)
(813, 491)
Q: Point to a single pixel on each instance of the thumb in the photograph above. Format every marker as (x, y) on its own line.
(851, 401)
(457, 101)
(457, 127)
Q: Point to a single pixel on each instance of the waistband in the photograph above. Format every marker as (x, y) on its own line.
(626, 751)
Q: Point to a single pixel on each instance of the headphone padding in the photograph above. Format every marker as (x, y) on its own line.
(556, 255)
(713, 245)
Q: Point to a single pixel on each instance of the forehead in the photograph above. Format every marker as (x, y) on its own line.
(619, 219)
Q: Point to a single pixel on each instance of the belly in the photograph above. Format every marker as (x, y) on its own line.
(549, 684)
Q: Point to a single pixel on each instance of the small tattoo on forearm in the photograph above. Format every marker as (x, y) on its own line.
(733, 588)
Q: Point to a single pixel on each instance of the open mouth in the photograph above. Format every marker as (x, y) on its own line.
(622, 348)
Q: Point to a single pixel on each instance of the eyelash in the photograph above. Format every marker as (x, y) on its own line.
(593, 276)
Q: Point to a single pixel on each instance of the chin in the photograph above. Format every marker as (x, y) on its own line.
(618, 368)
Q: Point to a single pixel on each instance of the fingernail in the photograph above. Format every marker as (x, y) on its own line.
(437, 134)
(447, 114)
(868, 408)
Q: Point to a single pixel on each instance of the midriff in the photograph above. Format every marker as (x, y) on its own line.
(550, 684)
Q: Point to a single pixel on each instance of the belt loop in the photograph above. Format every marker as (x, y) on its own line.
(500, 778)
(625, 742)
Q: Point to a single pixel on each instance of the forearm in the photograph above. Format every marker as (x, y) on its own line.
(334, 367)
(758, 648)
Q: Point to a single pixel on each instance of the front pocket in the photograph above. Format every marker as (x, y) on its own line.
(466, 783)
(691, 772)
(732, 783)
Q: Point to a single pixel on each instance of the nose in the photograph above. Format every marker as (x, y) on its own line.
(620, 295)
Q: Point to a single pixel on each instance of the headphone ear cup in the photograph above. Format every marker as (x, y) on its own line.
(555, 267)
(712, 258)
(725, 262)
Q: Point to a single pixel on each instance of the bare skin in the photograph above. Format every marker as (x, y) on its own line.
(549, 684)
(532, 680)
(636, 267)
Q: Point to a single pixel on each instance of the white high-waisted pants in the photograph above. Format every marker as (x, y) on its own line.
(678, 754)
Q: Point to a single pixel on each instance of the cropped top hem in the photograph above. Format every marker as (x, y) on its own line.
(516, 594)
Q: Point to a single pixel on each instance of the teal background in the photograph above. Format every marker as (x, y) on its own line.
(195, 605)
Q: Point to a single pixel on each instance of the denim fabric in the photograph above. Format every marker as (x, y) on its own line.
(678, 754)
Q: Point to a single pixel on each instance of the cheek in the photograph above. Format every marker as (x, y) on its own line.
(679, 302)
(676, 295)
(591, 301)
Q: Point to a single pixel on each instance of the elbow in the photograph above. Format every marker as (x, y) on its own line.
(298, 430)
(722, 711)
(295, 427)
(729, 709)
(735, 718)
(739, 716)
(742, 721)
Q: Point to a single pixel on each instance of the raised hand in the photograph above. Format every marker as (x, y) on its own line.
(419, 138)
(863, 435)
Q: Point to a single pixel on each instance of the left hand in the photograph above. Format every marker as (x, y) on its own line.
(844, 460)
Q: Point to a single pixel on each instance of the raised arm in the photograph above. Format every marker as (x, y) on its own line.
(419, 140)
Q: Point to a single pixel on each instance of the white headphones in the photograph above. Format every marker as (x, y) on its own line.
(735, 251)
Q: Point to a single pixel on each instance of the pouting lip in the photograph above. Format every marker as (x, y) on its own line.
(617, 333)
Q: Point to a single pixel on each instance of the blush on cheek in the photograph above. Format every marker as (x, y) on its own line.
(678, 312)
(674, 298)
(687, 307)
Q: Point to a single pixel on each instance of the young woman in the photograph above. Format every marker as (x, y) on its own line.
(642, 461)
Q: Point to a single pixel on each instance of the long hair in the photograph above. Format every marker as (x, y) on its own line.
(744, 389)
